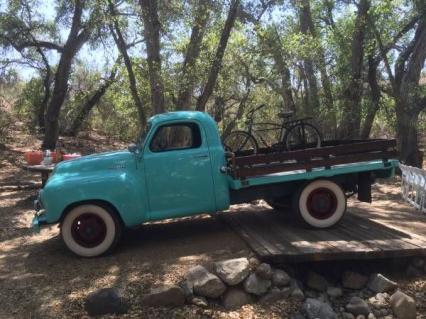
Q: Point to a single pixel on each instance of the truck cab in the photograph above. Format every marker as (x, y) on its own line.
(175, 169)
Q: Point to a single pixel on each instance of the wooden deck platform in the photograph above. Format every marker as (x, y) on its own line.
(276, 238)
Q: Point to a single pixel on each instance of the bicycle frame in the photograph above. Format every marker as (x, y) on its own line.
(283, 127)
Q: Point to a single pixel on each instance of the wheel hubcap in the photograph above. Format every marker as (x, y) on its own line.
(321, 203)
(88, 230)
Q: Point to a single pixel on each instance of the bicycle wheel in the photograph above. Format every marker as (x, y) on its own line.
(301, 136)
(240, 141)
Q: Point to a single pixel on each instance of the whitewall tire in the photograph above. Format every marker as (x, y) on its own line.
(90, 230)
(321, 203)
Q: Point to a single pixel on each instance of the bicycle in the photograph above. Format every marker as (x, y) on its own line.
(293, 134)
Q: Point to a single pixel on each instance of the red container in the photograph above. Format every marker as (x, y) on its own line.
(36, 157)
(33, 157)
(66, 157)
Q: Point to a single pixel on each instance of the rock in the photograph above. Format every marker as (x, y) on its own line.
(264, 271)
(254, 262)
(187, 289)
(280, 278)
(360, 317)
(256, 285)
(314, 309)
(274, 295)
(371, 316)
(334, 292)
(232, 271)
(234, 298)
(353, 280)
(347, 315)
(379, 300)
(297, 294)
(316, 281)
(358, 306)
(384, 312)
(205, 283)
(403, 306)
(297, 315)
(105, 301)
(165, 296)
(200, 301)
(379, 283)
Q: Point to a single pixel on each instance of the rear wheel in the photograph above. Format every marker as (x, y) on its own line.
(321, 203)
(90, 230)
(301, 136)
(239, 141)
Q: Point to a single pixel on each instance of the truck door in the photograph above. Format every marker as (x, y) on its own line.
(178, 171)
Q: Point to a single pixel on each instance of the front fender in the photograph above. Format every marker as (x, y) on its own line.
(119, 188)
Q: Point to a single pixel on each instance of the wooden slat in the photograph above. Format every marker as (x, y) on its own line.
(354, 148)
(275, 168)
(275, 239)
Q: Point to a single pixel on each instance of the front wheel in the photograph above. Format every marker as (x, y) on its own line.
(90, 230)
(240, 141)
(321, 203)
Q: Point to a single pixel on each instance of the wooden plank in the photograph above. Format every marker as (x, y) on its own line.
(252, 235)
(382, 243)
(353, 148)
(274, 239)
(244, 232)
(404, 241)
(298, 244)
(275, 168)
(263, 230)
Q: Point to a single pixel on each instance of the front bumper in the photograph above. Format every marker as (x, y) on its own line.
(40, 215)
(39, 220)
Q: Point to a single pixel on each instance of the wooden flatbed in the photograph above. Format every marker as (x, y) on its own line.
(331, 153)
(362, 234)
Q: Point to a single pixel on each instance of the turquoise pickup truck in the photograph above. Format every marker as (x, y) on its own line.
(179, 168)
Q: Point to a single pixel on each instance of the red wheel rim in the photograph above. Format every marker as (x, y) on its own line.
(88, 230)
(321, 203)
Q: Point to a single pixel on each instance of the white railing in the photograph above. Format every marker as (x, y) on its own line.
(413, 186)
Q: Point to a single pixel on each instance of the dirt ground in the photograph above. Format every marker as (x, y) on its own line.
(40, 278)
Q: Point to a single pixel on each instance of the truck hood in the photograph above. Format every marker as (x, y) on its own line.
(117, 160)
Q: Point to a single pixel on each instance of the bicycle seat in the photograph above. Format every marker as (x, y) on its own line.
(285, 115)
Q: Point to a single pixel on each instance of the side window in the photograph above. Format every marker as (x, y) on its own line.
(176, 137)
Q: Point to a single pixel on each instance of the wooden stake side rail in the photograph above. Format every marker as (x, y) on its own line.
(358, 151)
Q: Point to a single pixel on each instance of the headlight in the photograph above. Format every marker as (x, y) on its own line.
(38, 205)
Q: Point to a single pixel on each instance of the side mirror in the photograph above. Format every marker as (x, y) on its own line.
(133, 148)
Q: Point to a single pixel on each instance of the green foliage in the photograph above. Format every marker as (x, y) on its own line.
(249, 75)
(29, 102)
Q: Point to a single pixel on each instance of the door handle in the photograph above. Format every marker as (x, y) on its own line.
(201, 156)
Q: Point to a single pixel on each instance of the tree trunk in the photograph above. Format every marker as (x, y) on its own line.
(90, 104)
(152, 28)
(122, 47)
(351, 119)
(46, 83)
(409, 101)
(73, 44)
(306, 27)
(217, 62)
(186, 84)
(406, 130)
(277, 54)
(375, 98)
